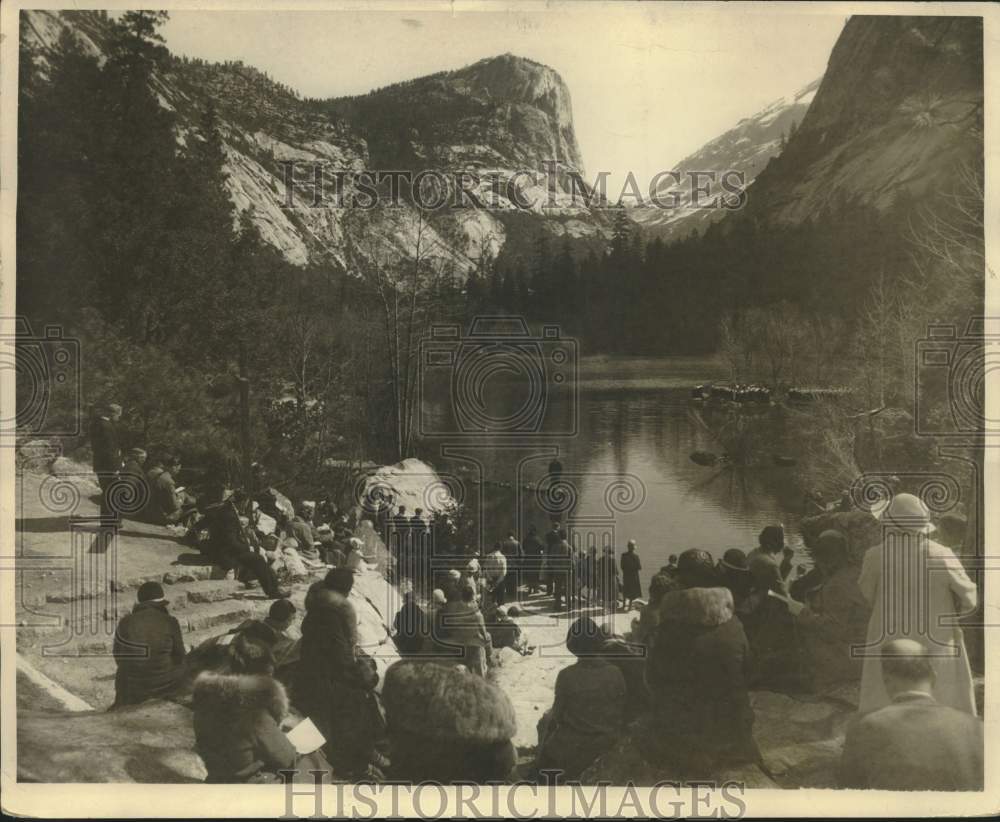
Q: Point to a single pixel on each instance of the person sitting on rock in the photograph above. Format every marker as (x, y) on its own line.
(588, 710)
(271, 631)
(835, 618)
(768, 623)
(356, 560)
(148, 650)
(229, 547)
(168, 504)
(696, 671)
(301, 527)
(914, 743)
(410, 627)
(447, 725)
(335, 680)
(237, 718)
(644, 628)
(505, 632)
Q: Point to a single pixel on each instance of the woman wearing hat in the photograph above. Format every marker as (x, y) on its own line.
(589, 707)
(148, 649)
(917, 589)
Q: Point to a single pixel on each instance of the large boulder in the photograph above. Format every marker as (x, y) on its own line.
(152, 742)
(412, 483)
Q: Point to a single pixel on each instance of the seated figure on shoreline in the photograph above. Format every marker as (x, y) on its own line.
(834, 619)
(588, 712)
(697, 674)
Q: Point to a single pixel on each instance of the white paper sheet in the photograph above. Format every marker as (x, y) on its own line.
(305, 737)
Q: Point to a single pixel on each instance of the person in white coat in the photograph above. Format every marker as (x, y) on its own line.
(917, 589)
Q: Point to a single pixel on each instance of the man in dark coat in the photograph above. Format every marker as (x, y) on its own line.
(148, 650)
(532, 555)
(335, 683)
(410, 627)
(631, 565)
(230, 548)
(697, 673)
(914, 743)
(107, 457)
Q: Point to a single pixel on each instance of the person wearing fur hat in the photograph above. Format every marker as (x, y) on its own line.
(447, 725)
(589, 706)
(335, 679)
(917, 589)
(237, 718)
(696, 672)
(148, 649)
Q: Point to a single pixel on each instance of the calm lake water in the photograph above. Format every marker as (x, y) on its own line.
(624, 432)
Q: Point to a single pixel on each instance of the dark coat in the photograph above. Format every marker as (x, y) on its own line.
(149, 651)
(835, 620)
(335, 680)
(631, 565)
(697, 674)
(237, 726)
(104, 445)
(586, 717)
(914, 744)
(226, 537)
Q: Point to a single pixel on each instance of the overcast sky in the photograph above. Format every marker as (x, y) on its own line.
(650, 82)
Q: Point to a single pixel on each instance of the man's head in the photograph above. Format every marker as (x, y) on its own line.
(631, 546)
(419, 512)
(282, 614)
(672, 560)
(906, 666)
(340, 580)
(172, 463)
(307, 508)
(696, 569)
(772, 539)
(137, 454)
(113, 411)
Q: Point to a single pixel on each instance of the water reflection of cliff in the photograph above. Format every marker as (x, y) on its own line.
(632, 435)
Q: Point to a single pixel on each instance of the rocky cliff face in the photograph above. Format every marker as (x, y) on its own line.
(747, 148)
(898, 112)
(497, 117)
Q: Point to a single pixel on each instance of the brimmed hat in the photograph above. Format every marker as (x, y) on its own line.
(150, 592)
(908, 513)
(772, 536)
(137, 453)
(735, 560)
(354, 542)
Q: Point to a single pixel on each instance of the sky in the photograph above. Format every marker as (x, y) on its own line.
(650, 82)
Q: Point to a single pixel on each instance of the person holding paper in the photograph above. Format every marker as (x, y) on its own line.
(335, 679)
(237, 718)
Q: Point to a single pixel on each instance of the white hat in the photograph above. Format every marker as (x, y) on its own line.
(908, 513)
(354, 542)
